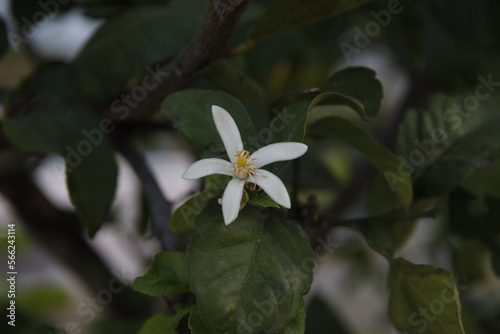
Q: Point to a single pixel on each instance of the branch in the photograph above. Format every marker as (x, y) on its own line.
(210, 43)
(159, 207)
(61, 234)
(392, 217)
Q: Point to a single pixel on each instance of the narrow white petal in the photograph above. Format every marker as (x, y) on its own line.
(228, 131)
(277, 152)
(273, 186)
(231, 200)
(207, 167)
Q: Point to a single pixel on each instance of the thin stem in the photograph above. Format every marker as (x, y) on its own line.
(391, 217)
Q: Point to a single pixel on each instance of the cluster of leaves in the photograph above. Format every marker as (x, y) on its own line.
(251, 276)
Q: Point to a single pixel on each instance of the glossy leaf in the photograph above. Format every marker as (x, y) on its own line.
(183, 217)
(355, 87)
(128, 43)
(363, 91)
(423, 298)
(380, 157)
(298, 325)
(165, 276)
(262, 200)
(291, 122)
(287, 14)
(75, 133)
(232, 80)
(198, 326)
(250, 275)
(190, 111)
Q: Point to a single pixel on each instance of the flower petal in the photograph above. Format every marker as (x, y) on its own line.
(207, 167)
(273, 186)
(231, 200)
(228, 131)
(277, 152)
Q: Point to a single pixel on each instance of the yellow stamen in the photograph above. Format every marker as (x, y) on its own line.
(242, 161)
(242, 167)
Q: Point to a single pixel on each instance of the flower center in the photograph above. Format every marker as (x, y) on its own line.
(242, 167)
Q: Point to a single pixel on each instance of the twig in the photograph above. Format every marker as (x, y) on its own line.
(209, 44)
(387, 218)
(159, 206)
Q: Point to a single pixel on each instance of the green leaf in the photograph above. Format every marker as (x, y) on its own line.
(442, 144)
(355, 87)
(291, 122)
(380, 157)
(423, 298)
(165, 276)
(250, 275)
(77, 134)
(233, 81)
(124, 45)
(287, 14)
(321, 320)
(165, 323)
(183, 217)
(262, 200)
(198, 326)
(486, 180)
(363, 91)
(298, 326)
(191, 113)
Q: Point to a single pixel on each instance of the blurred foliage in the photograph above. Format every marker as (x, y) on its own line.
(290, 73)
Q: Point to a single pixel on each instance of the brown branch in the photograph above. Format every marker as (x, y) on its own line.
(210, 43)
(159, 207)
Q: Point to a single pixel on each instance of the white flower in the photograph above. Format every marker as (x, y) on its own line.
(244, 167)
